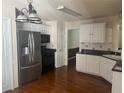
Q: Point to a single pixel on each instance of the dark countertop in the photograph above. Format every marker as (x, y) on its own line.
(118, 66)
(97, 52)
(107, 54)
(47, 51)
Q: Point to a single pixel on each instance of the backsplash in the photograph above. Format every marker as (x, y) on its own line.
(96, 46)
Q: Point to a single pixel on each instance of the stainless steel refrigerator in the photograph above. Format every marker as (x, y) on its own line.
(29, 56)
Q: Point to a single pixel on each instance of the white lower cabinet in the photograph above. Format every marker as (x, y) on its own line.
(81, 62)
(111, 63)
(95, 65)
(92, 64)
(117, 82)
(106, 68)
(87, 63)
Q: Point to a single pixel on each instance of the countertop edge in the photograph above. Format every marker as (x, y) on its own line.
(114, 68)
(109, 58)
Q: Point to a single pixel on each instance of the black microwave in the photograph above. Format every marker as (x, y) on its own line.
(45, 38)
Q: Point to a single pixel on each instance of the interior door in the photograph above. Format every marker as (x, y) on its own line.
(6, 55)
(59, 52)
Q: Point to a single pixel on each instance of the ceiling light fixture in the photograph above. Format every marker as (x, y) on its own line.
(29, 15)
(68, 11)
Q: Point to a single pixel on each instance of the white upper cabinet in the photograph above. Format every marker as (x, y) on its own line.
(109, 35)
(85, 33)
(98, 32)
(93, 32)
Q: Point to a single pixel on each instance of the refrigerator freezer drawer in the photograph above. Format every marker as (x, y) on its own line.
(35, 65)
(29, 74)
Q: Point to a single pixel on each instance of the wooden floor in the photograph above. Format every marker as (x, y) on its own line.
(65, 80)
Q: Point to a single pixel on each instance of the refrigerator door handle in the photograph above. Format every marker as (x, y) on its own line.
(33, 47)
(30, 47)
(31, 66)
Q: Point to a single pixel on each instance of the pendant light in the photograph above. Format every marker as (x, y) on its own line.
(29, 15)
(22, 18)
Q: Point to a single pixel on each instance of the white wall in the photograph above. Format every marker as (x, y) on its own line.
(8, 10)
(73, 38)
(53, 34)
(56, 31)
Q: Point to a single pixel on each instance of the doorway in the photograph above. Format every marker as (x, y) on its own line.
(73, 46)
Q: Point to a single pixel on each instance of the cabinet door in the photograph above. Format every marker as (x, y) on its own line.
(93, 64)
(104, 68)
(81, 62)
(109, 35)
(117, 82)
(85, 33)
(98, 32)
(111, 63)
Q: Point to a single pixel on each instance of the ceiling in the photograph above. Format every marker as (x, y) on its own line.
(46, 9)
